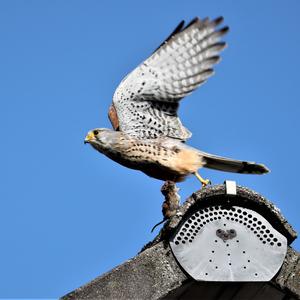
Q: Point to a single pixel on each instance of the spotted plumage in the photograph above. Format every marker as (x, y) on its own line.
(147, 99)
(149, 135)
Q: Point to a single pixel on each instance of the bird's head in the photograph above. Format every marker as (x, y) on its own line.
(100, 138)
(96, 135)
(93, 136)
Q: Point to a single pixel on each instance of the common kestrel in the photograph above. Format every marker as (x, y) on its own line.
(148, 134)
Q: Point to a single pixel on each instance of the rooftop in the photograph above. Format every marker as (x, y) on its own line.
(167, 267)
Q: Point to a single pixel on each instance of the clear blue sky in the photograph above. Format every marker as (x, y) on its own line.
(69, 214)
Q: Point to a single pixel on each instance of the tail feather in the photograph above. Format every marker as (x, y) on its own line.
(232, 165)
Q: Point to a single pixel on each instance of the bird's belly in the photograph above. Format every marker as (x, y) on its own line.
(164, 174)
(167, 166)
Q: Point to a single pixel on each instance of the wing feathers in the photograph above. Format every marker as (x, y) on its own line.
(176, 30)
(183, 62)
(186, 44)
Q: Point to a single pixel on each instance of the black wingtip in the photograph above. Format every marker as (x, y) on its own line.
(224, 30)
(206, 21)
(218, 21)
(178, 28)
(193, 21)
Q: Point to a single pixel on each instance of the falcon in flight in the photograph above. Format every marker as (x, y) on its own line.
(147, 133)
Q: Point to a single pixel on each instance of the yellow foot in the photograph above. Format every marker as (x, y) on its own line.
(204, 182)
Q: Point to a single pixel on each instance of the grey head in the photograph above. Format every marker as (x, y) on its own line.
(102, 139)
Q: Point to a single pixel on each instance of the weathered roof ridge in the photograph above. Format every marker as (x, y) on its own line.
(155, 274)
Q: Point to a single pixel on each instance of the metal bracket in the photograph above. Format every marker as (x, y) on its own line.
(230, 187)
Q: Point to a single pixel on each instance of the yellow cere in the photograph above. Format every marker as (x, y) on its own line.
(90, 136)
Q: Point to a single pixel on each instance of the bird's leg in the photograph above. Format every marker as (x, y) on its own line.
(203, 181)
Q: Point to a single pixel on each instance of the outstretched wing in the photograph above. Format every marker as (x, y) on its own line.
(147, 100)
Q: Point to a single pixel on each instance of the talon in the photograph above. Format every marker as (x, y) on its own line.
(204, 182)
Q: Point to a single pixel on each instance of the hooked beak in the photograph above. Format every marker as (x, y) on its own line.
(89, 137)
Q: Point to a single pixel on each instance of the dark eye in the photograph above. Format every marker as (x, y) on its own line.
(96, 132)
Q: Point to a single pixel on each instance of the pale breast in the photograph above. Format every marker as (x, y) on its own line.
(174, 159)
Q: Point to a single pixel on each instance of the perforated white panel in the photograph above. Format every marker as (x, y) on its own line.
(229, 244)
